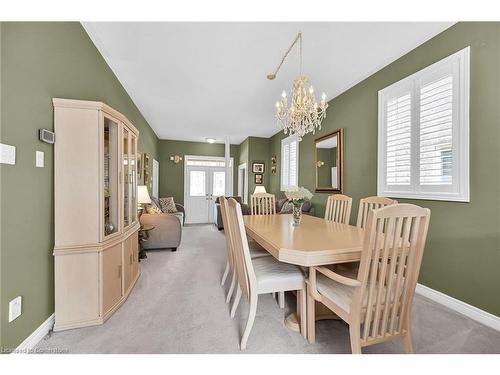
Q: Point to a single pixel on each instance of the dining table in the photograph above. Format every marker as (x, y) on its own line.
(314, 242)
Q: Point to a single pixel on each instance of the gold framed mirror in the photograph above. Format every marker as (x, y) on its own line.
(328, 162)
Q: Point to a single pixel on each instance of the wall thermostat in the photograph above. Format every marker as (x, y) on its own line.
(46, 136)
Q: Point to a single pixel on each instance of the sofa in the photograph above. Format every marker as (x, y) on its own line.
(167, 232)
(307, 209)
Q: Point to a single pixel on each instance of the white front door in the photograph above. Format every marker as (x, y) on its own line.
(203, 185)
(156, 176)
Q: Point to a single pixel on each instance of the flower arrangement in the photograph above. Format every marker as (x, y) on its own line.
(298, 195)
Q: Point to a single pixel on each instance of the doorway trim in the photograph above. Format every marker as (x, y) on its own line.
(155, 189)
(201, 157)
(243, 182)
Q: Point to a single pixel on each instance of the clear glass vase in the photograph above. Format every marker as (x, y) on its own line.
(297, 214)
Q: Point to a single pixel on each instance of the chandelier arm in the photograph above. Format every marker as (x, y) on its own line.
(297, 38)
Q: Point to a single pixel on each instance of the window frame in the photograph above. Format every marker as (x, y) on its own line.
(458, 64)
(287, 141)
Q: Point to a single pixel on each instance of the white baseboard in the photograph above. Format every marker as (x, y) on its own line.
(463, 308)
(38, 334)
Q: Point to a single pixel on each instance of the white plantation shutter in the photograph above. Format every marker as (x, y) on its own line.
(289, 163)
(423, 138)
(293, 180)
(436, 132)
(285, 162)
(398, 140)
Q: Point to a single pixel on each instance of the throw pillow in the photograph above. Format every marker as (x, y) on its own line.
(152, 209)
(306, 207)
(287, 208)
(167, 205)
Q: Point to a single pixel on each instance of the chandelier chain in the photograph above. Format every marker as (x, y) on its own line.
(297, 38)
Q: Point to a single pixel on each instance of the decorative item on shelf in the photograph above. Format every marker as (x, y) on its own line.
(143, 198)
(258, 179)
(108, 228)
(258, 167)
(260, 190)
(176, 158)
(297, 197)
(304, 114)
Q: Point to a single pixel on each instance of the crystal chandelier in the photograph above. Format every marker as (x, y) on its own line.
(304, 114)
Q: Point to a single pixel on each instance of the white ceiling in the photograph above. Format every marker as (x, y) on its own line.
(198, 80)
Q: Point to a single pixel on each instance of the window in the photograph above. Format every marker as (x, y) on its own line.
(219, 183)
(197, 183)
(289, 163)
(423, 133)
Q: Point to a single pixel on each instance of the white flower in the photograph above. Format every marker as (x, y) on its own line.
(298, 195)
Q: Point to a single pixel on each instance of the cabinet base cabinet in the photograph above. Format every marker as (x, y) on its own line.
(111, 275)
(90, 282)
(130, 261)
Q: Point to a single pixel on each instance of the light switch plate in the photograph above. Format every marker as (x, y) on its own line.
(15, 308)
(40, 159)
(7, 154)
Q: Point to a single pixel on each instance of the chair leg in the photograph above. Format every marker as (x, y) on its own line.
(249, 325)
(281, 299)
(408, 342)
(231, 288)
(354, 333)
(226, 272)
(311, 318)
(236, 301)
(302, 311)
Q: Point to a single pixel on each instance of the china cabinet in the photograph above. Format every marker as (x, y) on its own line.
(96, 223)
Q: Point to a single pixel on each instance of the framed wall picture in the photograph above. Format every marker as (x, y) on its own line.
(258, 167)
(258, 179)
(139, 168)
(145, 165)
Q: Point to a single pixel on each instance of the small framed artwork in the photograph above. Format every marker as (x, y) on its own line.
(145, 166)
(139, 167)
(258, 167)
(258, 179)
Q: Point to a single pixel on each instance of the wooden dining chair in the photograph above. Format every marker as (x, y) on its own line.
(260, 275)
(376, 304)
(371, 203)
(365, 206)
(254, 252)
(263, 204)
(338, 208)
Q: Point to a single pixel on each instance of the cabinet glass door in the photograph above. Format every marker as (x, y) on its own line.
(133, 179)
(126, 177)
(110, 176)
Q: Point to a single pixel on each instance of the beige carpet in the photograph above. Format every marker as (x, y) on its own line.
(178, 306)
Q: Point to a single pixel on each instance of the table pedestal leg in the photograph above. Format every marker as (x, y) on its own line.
(292, 322)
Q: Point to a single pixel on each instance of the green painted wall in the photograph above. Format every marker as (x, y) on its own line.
(172, 175)
(258, 152)
(40, 61)
(255, 150)
(462, 256)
